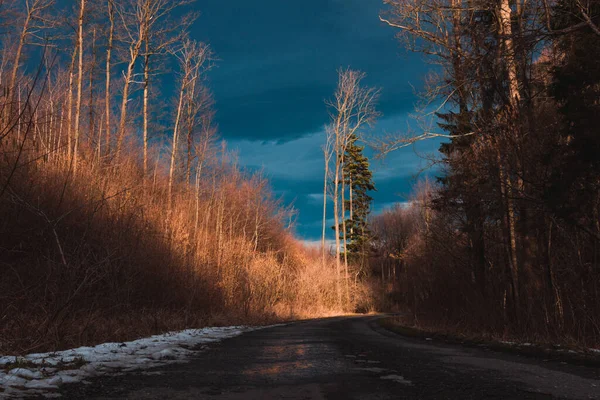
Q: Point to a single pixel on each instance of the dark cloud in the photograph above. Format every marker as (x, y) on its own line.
(278, 63)
(295, 169)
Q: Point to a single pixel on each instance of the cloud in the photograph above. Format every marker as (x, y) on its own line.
(278, 62)
(382, 207)
(295, 169)
(298, 160)
(316, 198)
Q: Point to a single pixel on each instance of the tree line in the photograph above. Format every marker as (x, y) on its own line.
(123, 214)
(507, 240)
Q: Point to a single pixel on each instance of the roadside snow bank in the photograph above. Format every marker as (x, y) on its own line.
(43, 373)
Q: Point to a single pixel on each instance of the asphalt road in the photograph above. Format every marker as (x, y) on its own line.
(347, 358)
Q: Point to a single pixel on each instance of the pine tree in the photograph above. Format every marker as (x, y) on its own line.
(575, 184)
(359, 179)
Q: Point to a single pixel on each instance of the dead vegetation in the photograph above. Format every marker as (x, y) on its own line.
(106, 237)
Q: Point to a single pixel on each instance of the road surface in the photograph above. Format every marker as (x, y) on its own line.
(347, 358)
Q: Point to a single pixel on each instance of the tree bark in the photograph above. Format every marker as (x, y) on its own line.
(111, 17)
(323, 249)
(146, 89)
(70, 105)
(175, 140)
(79, 84)
(91, 99)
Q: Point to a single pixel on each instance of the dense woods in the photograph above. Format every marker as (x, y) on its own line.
(121, 213)
(507, 241)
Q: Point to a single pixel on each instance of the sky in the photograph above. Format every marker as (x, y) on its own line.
(277, 64)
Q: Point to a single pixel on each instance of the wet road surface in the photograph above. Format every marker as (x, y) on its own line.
(346, 358)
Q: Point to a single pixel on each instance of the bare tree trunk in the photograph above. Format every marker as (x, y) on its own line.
(125, 100)
(351, 204)
(146, 86)
(15, 69)
(197, 201)
(60, 133)
(256, 234)
(175, 139)
(190, 130)
(327, 157)
(111, 17)
(79, 84)
(336, 216)
(505, 18)
(18, 108)
(344, 233)
(99, 139)
(70, 105)
(506, 193)
(91, 100)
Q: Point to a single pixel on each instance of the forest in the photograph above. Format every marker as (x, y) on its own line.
(123, 213)
(505, 241)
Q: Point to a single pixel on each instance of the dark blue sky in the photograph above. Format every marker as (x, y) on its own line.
(277, 64)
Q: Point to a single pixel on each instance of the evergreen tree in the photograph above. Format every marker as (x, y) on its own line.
(359, 179)
(575, 187)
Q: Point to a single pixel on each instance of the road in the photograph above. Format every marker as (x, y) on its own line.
(347, 358)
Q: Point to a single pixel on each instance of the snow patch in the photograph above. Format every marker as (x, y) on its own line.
(25, 373)
(44, 373)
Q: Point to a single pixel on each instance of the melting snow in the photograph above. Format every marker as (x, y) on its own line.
(43, 373)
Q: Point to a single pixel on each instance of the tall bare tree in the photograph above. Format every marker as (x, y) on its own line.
(34, 21)
(139, 22)
(193, 59)
(351, 110)
(109, 49)
(157, 40)
(79, 81)
(327, 154)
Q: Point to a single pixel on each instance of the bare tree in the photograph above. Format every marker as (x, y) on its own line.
(79, 81)
(33, 23)
(352, 108)
(198, 117)
(432, 28)
(109, 49)
(138, 19)
(157, 40)
(70, 102)
(584, 7)
(327, 154)
(91, 100)
(193, 60)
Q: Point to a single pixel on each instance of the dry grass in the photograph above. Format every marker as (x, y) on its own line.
(102, 255)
